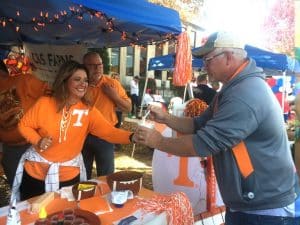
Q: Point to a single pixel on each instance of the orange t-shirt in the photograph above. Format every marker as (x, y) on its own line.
(29, 89)
(102, 102)
(43, 120)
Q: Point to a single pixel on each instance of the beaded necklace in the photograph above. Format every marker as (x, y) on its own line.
(64, 123)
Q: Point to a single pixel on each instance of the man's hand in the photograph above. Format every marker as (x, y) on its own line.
(157, 114)
(123, 104)
(109, 90)
(148, 137)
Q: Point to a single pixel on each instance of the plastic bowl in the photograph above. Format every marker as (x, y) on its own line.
(125, 180)
(84, 193)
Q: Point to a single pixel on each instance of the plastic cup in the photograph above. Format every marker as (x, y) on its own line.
(145, 123)
(118, 198)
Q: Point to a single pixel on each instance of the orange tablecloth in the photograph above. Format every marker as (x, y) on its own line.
(108, 218)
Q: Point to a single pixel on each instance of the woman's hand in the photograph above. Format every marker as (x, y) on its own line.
(44, 143)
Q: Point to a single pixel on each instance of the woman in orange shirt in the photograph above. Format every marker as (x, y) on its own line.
(57, 126)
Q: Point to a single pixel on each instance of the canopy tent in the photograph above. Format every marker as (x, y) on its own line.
(167, 62)
(271, 60)
(263, 58)
(96, 23)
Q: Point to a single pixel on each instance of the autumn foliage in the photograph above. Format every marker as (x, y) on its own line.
(279, 27)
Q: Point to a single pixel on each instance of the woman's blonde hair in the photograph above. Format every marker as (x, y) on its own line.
(60, 89)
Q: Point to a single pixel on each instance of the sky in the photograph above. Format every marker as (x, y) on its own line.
(242, 17)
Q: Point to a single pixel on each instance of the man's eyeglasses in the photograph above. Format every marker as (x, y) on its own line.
(208, 59)
(94, 65)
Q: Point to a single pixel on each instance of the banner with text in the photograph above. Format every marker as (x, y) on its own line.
(46, 59)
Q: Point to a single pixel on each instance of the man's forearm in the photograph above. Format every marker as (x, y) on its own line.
(182, 124)
(180, 146)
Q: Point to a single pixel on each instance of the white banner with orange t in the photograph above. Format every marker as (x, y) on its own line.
(192, 175)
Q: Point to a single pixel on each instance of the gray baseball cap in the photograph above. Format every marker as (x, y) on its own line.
(221, 39)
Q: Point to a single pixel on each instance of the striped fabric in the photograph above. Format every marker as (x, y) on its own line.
(52, 177)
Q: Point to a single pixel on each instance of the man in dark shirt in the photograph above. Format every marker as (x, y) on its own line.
(203, 91)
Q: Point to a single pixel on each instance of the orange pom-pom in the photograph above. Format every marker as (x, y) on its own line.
(195, 107)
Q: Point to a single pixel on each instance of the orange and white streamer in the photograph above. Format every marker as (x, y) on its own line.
(183, 62)
(176, 205)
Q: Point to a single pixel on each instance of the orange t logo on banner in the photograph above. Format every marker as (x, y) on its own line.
(183, 178)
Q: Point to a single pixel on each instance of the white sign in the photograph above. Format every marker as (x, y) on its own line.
(171, 173)
(46, 59)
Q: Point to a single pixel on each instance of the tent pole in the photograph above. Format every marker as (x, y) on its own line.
(190, 88)
(143, 95)
(184, 94)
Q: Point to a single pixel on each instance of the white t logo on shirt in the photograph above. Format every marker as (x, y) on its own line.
(80, 113)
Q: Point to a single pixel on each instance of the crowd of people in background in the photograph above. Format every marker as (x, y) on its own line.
(202, 90)
(135, 96)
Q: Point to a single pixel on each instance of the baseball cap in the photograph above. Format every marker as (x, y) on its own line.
(221, 39)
